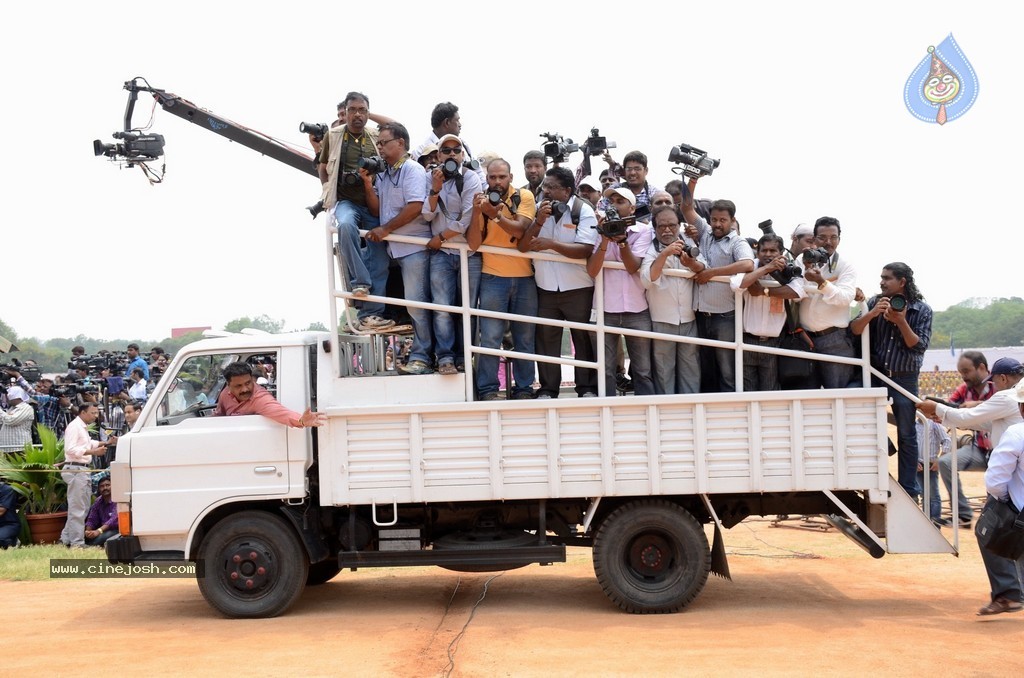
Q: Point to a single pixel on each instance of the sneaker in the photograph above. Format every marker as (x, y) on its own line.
(415, 367)
(447, 368)
(491, 396)
(522, 395)
(375, 322)
(360, 291)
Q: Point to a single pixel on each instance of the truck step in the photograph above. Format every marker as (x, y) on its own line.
(511, 557)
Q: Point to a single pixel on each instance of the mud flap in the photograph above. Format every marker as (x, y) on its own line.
(719, 563)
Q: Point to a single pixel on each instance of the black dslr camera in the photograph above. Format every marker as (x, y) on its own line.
(614, 226)
(450, 167)
(786, 275)
(898, 303)
(373, 165)
(815, 256)
(317, 129)
(558, 148)
(597, 144)
(695, 162)
(316, 208)
(494, 195)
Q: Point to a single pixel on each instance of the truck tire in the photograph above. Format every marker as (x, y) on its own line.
(651, 556)
(254, 565)
(322, 572)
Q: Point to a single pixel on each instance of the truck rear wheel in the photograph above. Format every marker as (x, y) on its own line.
(254, 565)
(651, 556)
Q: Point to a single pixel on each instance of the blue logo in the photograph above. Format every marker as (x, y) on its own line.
(943, 86)
(215, 124)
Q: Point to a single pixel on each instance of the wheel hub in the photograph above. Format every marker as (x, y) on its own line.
(650, 555)
(248, 569)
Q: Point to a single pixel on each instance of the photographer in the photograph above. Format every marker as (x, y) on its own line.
(345, 195)
(398, 199)
(676, 365)
(764, 311)
(16, 422)
(726, 254)
(900, 326)
(500, 219)
(535, 164)
(444, 120)
(635, 179)
(79, 450)
(625, 240)
(565, 291)
(449, 209)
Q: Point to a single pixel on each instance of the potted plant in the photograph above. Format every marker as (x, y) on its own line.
(35, 474)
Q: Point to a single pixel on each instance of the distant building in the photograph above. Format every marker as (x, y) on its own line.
(182, 331)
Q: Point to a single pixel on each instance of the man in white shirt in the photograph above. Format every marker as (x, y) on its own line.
(764, 313)
(79, 449)
(565, 291)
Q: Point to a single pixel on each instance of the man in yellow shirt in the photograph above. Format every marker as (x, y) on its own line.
(501, 216)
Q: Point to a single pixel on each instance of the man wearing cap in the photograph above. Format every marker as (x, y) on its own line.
(976, 388)
(397, 197)
(802, 239)
(589, 193)
(1004, 482)
(900, 334)
(996, 414)
(449, 209)
(625, 304)
(725, 254)
(428, 156)
(16, 422)
(565, 291)
(79, 449)
(345, 195)
(506, 282)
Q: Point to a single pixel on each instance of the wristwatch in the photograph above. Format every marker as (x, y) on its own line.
(433, 192)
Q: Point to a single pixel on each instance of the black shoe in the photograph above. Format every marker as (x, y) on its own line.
(948, 522)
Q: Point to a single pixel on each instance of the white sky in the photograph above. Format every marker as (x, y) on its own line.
(801, 101)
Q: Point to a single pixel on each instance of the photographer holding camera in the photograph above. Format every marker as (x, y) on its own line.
(565, 225)
(764, 310)
(726, 254)
(634, 167)
(449, 209)
(345, 195)
(625, 240)
(501, 216)
(16, 422)
(676, 365)
(398, 199)
(900, 326)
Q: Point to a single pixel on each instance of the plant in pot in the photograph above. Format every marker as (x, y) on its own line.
(35, 475)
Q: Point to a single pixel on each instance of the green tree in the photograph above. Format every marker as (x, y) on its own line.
(262, 322)
(1001, 323)
(316, 327)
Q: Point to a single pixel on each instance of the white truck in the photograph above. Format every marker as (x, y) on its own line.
(410, 470)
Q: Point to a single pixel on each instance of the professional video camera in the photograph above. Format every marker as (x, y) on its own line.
(613, 226)
(30, 373)
(597, 144)
(373, 164)
(558, 148)
(786, 275)
(136, 147)
(695, 162)
(317, 129)
(117, 362)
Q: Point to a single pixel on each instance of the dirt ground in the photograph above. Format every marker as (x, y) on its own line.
(838, 612)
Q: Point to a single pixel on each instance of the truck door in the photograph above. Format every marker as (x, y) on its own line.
(183, 459)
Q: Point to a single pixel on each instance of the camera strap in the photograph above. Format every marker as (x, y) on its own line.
(444, 210)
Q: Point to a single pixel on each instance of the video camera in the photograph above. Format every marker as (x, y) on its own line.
(317, 129)
(31, 374)
(613, 226)
(695, 162)
(136, 147)
(786, 275)
(558, 148)
(117, 362)
(597, 144)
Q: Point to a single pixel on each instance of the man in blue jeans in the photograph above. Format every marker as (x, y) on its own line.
(900, 323)
(345, 195)
(397, 197)
(506, 282)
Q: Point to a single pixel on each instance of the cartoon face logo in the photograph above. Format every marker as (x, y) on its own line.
(941, 89)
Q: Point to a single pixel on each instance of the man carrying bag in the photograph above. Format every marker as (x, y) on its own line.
(1000, 530)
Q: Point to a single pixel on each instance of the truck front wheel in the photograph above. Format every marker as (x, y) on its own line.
(651, 556)
(253, 565)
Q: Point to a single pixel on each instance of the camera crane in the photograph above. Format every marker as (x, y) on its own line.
(138, 147)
